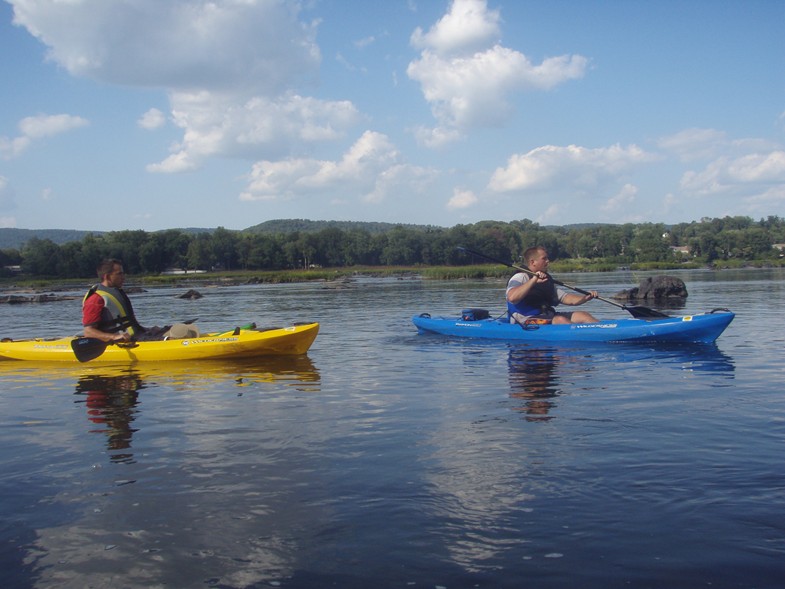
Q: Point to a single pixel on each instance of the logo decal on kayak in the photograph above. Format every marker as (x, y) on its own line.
(212, 340)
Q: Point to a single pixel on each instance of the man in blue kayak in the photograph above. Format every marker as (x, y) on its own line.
(532, 297)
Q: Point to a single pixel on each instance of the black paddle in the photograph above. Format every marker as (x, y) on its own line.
(636, 311)
(89, 348)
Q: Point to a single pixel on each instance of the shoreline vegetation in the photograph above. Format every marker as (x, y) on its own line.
(13, 290)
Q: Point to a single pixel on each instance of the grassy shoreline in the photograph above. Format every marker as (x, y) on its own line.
(479, 271)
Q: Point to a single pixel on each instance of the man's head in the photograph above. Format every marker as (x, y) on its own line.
(536, 259)
(111, 272)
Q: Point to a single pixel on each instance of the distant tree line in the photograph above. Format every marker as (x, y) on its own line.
(143, 252)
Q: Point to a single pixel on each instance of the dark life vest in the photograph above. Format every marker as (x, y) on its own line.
(118, 313)
(541, 298)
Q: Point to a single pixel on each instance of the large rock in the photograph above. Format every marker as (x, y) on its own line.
(658, 288)
(191, 294)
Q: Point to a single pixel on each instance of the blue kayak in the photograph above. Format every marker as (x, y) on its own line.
(704, 328)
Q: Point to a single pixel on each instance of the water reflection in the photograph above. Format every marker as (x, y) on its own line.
(538, 376)
(111, 407)
(113, 395)
(689, 357)
(533, 381)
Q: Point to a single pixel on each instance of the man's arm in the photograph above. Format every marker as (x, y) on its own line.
(517, 293)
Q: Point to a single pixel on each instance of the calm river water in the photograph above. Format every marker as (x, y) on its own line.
(385, 458)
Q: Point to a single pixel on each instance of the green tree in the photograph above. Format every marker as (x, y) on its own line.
(224, 248)
(200, 253)
(41, 257)
(650, 244)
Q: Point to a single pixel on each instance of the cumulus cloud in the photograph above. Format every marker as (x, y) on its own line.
(697, 144)
(467, 76)
(152, 119)
(230, 69)
(38, 127)
(462, 199)
(693, 144)
(749, 170)
(551, 215)
(765, 170)
(570, 166)
(624, 198)
(370, 170)
(187, 45)
(262, 127)
(468, 26)
(7, 203)
(772, 198)
(6, 194)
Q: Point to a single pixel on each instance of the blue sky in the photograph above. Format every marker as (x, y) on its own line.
(151, 115)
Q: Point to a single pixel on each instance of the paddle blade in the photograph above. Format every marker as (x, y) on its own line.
(87, 348)
(644, 313)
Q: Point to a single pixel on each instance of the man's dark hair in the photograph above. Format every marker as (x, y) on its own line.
(106, 266)
(531, 252)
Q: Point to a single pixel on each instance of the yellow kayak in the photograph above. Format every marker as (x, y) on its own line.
(235, 344)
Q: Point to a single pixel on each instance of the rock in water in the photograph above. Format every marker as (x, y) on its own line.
(658, 288)
(191, 294)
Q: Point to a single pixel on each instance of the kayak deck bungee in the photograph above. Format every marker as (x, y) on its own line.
(234, 344)
(703, 327)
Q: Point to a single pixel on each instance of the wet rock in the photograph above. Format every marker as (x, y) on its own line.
(191, 294)
(39, 298)
(657, 288)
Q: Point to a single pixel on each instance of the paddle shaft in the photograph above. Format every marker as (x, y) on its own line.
(530, 273)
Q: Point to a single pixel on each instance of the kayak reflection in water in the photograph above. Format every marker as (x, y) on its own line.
(533, 381)
(111, 405)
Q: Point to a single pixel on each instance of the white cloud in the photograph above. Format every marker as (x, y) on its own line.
(462, 199)
(729, 175)
(401, 183)
(222, 44)
(13, 147)
(467, 76)
(571, 167)
(6, 194)
(369, 170)
(7, 203)
(435, 137)
(262, 127)
(152, 119)
(468, 26)
(772, 198)
(48, 125)
(693, 144)
(229, 67)
(38, 127)
(365, 42)
(702, 144)
(624, 198)
(553, 214)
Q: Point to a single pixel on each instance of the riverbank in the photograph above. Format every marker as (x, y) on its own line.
(34, 286)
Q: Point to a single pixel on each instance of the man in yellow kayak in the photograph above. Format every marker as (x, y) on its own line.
(107, 313)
